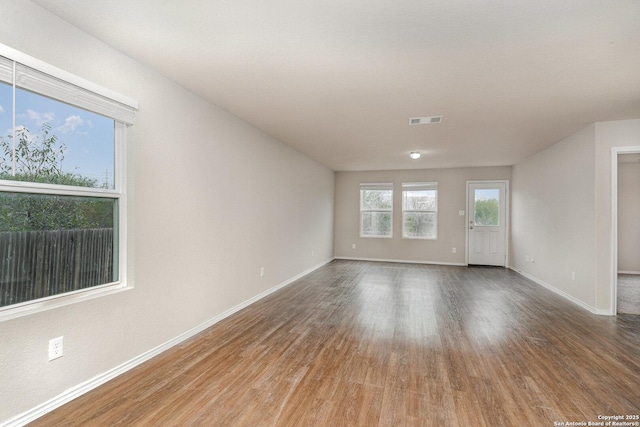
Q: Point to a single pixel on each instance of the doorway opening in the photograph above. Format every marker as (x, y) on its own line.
(625, 205)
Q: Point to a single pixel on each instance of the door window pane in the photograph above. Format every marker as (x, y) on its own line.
(487, 207)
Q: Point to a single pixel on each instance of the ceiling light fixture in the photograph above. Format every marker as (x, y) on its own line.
(415, 155)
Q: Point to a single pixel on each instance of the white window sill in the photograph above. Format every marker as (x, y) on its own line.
(419, 238)
(44, 304)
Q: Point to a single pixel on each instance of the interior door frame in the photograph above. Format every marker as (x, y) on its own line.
(507, 214)
(615, 151)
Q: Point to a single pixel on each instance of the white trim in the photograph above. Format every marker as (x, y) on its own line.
(563, 294)
(466, 224)
(419, 238)
(615, 151)
(42, 66)
(98, 380)
(628, 272)
(121, 185)
(56, 189)
(403, 261)
(614, 231)
(13, 118)
(60, 300)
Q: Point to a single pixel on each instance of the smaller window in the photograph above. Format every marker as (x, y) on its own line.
(376, 210)
(420, 210)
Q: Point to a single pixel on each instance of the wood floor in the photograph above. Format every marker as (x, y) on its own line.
(378, 344)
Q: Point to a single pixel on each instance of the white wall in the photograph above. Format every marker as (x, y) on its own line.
(628, 216)
(212, 200)
(451, 226)
(621, 133)
(561, 213)
(553, 216)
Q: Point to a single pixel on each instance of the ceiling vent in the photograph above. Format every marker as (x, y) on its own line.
(425, 120)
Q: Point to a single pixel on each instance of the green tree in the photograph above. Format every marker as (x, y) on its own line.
(38, 158)
(377, 199)
(376, 222)
(487, 212)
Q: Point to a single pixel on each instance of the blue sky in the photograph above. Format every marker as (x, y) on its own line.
(487, 194)
(87, 136)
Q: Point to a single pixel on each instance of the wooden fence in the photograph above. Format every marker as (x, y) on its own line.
(38, 264)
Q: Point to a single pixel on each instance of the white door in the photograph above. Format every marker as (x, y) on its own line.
(487, 222)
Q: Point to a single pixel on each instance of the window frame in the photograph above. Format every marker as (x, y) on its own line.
(46, 80)
(376, 186)
(419, 186)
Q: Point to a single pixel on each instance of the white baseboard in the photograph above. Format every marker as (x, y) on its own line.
(628, 272)
(402, 261)
(563, 294)
(98, 380)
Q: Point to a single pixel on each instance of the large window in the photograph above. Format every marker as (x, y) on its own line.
(62, 184)
(376, 210)
(420, 210)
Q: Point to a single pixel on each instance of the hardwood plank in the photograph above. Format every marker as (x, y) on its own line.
(381, 344)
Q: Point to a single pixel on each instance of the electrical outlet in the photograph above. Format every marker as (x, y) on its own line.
(313, 252)
(573, 275)
(453, 250)
(55, 348)
(461, 213)
(353, 246)
(261, 271)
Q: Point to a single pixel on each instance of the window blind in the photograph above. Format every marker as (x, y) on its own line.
(374, 186)
(92, 97)
(419, 186)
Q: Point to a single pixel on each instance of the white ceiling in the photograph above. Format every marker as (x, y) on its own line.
(339, 79)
